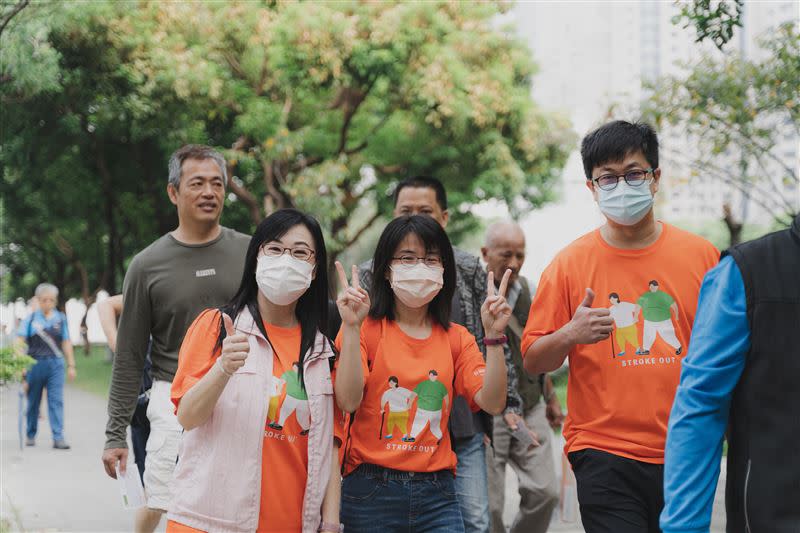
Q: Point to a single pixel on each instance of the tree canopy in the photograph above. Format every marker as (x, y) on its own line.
(322, 106)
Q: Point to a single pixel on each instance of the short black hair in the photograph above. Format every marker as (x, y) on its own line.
(613, 141)
(435, 239)
(433, 372)
(614, 295)
(653, 282)
(394, 378)
(423, 182)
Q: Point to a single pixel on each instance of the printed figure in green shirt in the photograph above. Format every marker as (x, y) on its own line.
(296, 401)
(431, 397)
(657, 308)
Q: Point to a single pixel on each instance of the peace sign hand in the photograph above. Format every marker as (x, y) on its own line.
(495, 311)
(353, 301)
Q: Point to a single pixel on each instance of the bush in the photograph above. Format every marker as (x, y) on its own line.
(13, 363)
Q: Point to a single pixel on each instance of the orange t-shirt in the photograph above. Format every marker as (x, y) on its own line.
(285, 449)
(620, 390)
(408, 393)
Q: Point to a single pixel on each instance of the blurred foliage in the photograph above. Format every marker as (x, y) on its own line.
(737, 110)
(13, 363)
(321, 107)
(712, 19)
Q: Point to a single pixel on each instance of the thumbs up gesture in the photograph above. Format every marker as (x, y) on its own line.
(235, 348)
(495, 311)
(588, 325)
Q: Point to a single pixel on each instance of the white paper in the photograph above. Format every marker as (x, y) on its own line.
(130, 486)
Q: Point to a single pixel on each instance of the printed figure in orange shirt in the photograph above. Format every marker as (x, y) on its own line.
(432, 399)
(626, 317)
(657, 307)
(399, 400)
(275, 392)
(296, 401)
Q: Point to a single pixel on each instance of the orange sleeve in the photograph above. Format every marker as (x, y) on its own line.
(551, 308)
(469, 368)
(366, 329)
(198, 353)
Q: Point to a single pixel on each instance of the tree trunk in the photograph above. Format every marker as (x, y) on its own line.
(734, 227)
(108, 208)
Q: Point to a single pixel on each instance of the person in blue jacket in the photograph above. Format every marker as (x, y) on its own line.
(740, 378)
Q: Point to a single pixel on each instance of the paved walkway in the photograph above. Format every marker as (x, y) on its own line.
(59, 490)
(51, 490)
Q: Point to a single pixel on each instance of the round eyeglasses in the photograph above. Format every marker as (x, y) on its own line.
(634, 178)
(411, 260)
(275, 250)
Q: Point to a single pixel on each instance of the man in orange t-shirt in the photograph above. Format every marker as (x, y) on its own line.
(619, 398)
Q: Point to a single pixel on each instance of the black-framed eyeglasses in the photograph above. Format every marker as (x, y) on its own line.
(276, 250)
(634, 178)
(411, 260)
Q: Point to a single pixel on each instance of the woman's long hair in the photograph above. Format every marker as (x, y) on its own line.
(435, 240)
(312, 306)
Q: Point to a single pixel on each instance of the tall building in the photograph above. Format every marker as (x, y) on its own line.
(595, 61)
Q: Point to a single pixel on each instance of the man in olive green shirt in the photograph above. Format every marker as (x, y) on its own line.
(431, 397)
(657, 308)
(197, 266)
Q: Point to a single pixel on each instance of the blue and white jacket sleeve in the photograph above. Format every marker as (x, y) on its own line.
(710, 371)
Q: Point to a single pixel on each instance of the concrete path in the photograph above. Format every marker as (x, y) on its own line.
(59, 490)
(47, 490)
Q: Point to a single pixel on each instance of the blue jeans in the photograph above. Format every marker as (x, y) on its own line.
(472, 483)
(48, 372)
(380, 500)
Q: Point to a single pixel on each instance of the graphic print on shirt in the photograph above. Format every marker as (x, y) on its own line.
(657, 309)
(275, 391)
(432, 397)
(294, 402)
(399, 400)
(626, 320)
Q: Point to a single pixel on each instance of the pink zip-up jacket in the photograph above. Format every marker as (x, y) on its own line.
(217, 481)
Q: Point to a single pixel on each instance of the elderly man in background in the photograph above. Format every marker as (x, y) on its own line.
(533, 463)
(46, 335)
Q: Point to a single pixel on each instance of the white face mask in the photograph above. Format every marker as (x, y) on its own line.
(416, 285)
(283, 279)
(624, 204)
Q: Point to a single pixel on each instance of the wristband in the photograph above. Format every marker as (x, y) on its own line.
(219, 363)
(502, 339)
(332, 528)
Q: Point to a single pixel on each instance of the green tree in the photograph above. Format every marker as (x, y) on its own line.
(737, 110)
(322, 107)
(330, 109)
(712, 19)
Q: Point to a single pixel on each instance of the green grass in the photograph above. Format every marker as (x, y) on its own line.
(94, 370)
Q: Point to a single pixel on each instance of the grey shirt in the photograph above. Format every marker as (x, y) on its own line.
(166, 286)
